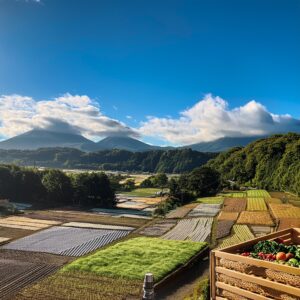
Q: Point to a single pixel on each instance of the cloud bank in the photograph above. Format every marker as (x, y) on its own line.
(211, 118)
(207, 120)
(68, 113)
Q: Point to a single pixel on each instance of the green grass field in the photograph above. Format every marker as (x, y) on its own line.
(143, 192)
(234, 195)
(211, 200)
(133, 258)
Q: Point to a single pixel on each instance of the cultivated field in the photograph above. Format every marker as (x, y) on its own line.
(211, 200)
(228, 216)
(258, 193)
(67, 241)
(142, 192)
(82, 285)
(133, 258)
(234, 204)
(224, 228)
(181, 211)
(26, 223)
(194, 229)
(289, 223)
(255, 218)
(205, 210)
(281, 211)
(158, 228)
(240, 233)
(256, 204)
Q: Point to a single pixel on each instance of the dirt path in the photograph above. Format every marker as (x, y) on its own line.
(184, 284)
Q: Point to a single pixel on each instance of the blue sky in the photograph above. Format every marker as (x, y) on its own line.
(153, 58)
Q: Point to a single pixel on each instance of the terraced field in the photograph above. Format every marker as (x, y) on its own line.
(195, 229)
(258, 193)
(235, 195)
(240, 233)
(256, 203)
(211, 200)
(288, 223)
(67, 240)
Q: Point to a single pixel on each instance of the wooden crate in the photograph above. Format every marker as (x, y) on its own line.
(236, 277)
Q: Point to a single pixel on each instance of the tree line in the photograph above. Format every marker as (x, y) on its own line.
(271, 163)
(53, 187)
(154, 161)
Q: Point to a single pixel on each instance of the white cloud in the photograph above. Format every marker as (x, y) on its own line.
(129, 117)
(211, 118)
(78, 114)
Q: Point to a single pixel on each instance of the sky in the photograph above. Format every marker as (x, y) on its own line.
(166, 72)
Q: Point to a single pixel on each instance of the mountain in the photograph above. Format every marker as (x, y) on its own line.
(223, 144)
(123, 143)
(41, 138)
(38, 138)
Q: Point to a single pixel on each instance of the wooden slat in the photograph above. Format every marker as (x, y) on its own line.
(260, 281)
(212, 275)
(257, 262)
(220, 298)
(240, 292)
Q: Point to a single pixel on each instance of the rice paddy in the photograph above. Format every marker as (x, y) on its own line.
(133, 258)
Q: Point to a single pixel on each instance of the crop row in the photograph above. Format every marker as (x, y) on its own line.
(281, 211)
(258, 193)
(240, 233)
(195, 229)
(66, 240)
(256, 203)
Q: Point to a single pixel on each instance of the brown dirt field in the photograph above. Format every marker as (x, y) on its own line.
(255, 218)
(79, 286)
(288, 223)
(35, 257)
(224, 228)
(273, 200)
(181, 211)
(280, 195)
(234, 204)
(228, 216)
(282, 211)
(78, 216)
(14, 233)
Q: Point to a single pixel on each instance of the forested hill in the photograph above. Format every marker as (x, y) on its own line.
(168, 161)
(272, 163)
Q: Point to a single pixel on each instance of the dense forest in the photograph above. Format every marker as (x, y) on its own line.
(272, 163)
(52, 187)
(168, 161)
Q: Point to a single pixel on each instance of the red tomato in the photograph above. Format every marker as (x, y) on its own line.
(281, 256)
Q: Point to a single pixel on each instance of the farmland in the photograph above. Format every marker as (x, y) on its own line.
(110, 238)
(256, 204)
(240, 234)
(142, 192)
(255, 218)
(68, 241)
(258, 193)
(137, 257)
(194, 229)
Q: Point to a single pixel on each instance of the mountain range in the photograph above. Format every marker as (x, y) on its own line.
(40, 138)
